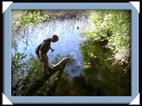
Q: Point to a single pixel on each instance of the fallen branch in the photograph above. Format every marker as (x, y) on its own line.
(55, 70)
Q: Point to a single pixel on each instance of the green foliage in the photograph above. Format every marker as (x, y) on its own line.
(18, 68)
(78, 87)
(110, 35)
(43, 91)
(102, 72)
(24, 73)
(34, 77)
(63, 88)
(34, 81)
(32, 18)
(116, 21)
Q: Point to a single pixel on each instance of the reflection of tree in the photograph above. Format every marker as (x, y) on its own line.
(106, 56)
(101, 71)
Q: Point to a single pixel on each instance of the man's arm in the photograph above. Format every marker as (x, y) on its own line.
(46, 44)
(52, 49)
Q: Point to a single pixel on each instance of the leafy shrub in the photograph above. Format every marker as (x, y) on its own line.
(32, 18)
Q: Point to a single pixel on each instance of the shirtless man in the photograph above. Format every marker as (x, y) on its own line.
(43, 49)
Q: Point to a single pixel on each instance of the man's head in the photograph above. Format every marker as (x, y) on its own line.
(55, 38)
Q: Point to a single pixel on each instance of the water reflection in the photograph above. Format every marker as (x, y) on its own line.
(68, 45)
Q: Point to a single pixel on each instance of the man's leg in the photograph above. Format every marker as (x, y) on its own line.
(43, 58)
(46, 64)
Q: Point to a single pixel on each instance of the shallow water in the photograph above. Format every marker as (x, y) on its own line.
(69, 32)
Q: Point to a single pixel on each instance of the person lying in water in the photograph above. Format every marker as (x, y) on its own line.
(43, 48)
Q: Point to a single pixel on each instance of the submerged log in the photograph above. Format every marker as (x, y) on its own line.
(55, 70)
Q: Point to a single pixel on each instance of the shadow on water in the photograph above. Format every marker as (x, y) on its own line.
(69, 32)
